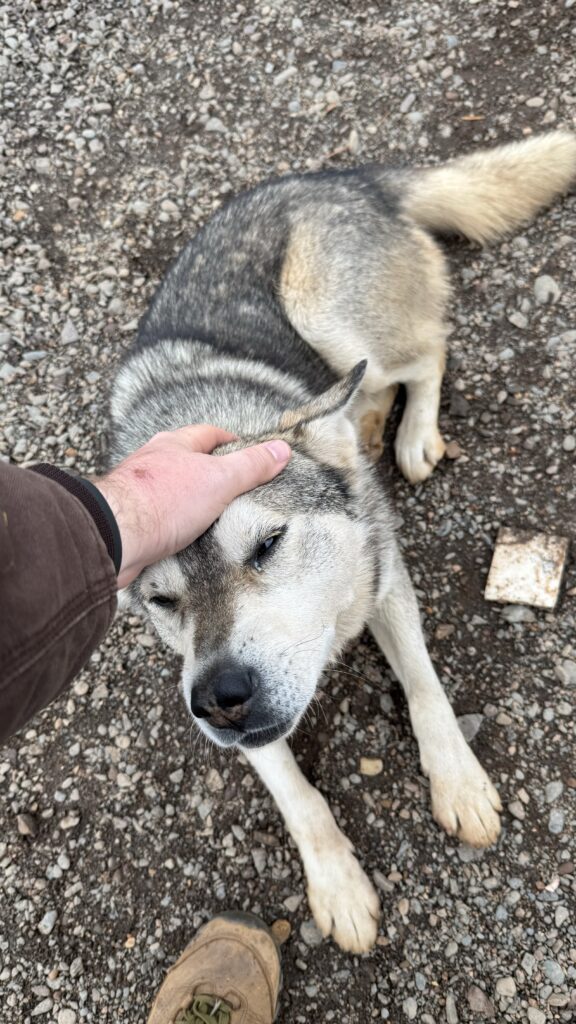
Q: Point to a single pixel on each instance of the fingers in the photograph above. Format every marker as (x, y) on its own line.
(250, 467)
(201, 438)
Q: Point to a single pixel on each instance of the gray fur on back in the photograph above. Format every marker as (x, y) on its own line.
(216, 345)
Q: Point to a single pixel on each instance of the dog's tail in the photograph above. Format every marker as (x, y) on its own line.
(490, 192)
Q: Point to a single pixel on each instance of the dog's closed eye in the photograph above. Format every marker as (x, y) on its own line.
(264, 550)
(163, 601)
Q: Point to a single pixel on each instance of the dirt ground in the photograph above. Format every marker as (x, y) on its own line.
(122, 126)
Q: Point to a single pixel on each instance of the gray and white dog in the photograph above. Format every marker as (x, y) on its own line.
(296, 312)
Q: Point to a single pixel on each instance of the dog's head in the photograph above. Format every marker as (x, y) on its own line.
(260, 603)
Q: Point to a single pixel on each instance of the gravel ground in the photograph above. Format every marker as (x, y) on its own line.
(124, 124)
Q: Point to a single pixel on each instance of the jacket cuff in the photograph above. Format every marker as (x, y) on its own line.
(95, 504)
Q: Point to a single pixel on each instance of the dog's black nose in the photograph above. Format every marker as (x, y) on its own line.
(223, 695)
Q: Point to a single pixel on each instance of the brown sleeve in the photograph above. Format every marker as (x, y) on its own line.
(57, 592)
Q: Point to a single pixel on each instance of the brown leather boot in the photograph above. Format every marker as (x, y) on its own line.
(229, 974)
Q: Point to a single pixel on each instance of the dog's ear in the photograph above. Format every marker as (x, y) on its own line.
(323, 426)
(329, 402)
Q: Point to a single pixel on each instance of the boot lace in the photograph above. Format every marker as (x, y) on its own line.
(205, 1010)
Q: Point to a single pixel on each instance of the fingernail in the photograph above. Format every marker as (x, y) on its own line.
(280, 450)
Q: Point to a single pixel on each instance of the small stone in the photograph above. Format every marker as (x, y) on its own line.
(371, 765)
(214, 124)
(518, 613)
(281, 930)
(569, 443)
(353, 144)
(451, 1011)
(517, 319)
(27, 825)
(506, 354)
(44, 1007)
(292, 903)
(561, 915)
(469, 725)
(536, 1016)
(556, 821)
(69, 335)
(214, 781)
(309, 933)
(516, 808)
(506, 987)
(259, 858)
(410, 1007)
(553, 790)
(553, 972)
(566, 672)
(47, 923)
(67, 1017)
(453, 450)
(479, 1002)
(546, 290)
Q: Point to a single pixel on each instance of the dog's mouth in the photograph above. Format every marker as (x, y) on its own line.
(249, 739)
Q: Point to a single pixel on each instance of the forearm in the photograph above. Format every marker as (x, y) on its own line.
(57, 592)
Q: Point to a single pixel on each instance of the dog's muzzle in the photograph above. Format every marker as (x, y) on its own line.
(228, 701)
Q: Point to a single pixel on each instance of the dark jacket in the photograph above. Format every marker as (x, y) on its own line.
(57, 586)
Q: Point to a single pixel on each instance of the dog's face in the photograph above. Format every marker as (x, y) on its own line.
(261, 602)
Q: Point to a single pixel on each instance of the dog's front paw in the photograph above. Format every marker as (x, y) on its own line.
(343, 900)
(464, 801)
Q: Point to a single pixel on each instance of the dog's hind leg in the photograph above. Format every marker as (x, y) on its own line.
(354, 293)
(341, 897)
(464, 801)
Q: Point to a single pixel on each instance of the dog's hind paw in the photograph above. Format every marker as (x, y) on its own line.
(418, 453)
(343, 900)
(466, 804)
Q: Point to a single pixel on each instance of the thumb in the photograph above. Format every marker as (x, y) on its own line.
(250, 467)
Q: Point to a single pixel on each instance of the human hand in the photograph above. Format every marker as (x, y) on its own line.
(167, 493)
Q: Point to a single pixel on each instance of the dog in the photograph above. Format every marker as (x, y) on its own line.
(296, 312)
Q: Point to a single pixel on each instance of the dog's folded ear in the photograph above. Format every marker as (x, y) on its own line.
(329, 402)
(323, 425)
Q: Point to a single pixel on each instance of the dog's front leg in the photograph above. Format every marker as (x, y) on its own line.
(342, 898)
(464, 801)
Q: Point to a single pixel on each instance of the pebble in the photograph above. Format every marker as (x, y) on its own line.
(546, 290)
(69, 334)
(259, 858)
(518, 613)
(569, 443)
(43, 1007)
(561, 915)
(556, 821)
(281, 930)
(517, 319)
(451, 1010)
(553, 790)
(67, 1017)
(536, 1016)
(553, 972)
(371, 765)
(410, 1007)
(566, 672)
(310, 934)
(479, 1002)
(516, 808)
(46, 925)
(26, 824)
(506, 987)
(470, 725)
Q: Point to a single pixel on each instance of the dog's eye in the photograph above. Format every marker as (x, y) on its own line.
(162, 601)
(264, 549)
